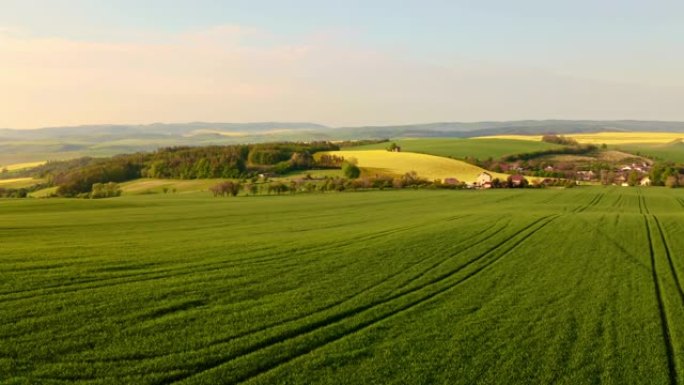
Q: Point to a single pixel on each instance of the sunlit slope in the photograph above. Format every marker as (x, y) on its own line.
(427, 166)
(481, 148)
(19, 182)
(610, 138)
(22, 166)
(152, 186)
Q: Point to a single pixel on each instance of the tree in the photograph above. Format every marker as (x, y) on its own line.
(392, 147)
(350, 170)
(672, 181)
(633, 178)
(105, 190)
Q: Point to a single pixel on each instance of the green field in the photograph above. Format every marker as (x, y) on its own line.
(577, 286)
(481, 148)
(673, 151)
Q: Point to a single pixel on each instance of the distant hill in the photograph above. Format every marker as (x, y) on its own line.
(105, 140)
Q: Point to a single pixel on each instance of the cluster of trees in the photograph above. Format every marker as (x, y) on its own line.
(77, 177)
(363, 142)
(329, 161)
(105, 190)
(569, 150)
(80, 182)
(378, 182)
(350, 169)
(666, 174)
(559, 139)
(13, 192)
(226, 188)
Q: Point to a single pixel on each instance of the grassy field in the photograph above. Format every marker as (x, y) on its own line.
(578, 286)
(481, 148)
(427, 166)
(673, 151)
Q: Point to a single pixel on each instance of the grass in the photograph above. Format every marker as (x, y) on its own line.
(481, 148)
(571, 286)
(44, 193)
(427, 166)
(673, 151)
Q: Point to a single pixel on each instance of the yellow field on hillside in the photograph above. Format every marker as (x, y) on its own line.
(21, 166)
(19, 182)
(427, 166)
(153, 186)
(606, 137)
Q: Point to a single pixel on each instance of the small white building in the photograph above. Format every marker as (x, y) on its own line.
(645, 181)
(483, 178)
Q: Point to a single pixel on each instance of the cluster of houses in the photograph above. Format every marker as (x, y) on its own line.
(485, 180)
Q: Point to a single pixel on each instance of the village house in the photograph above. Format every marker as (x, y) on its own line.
(484, 178)
(645, 181)
(517, 180)
(586, 175)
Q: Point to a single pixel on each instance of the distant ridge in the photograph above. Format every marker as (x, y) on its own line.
(53, 143)
(449, 129)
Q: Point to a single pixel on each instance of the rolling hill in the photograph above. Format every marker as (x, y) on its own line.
(106, 140)
(461, 148)
(427, 166)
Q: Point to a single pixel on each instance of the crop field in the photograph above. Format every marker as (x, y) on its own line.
(578, 286)
(21, 166)
(673, 151)
(609, 138)
(19, 182)
(481, 148)
(151, 185)
(427, 166)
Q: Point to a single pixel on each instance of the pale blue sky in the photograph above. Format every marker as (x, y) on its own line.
(606, 48)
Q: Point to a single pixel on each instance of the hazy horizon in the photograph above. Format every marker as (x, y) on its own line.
(352, 64)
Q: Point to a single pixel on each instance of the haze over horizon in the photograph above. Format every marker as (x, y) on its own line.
(84, 62)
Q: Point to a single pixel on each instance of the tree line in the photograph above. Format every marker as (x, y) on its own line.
(77, 177)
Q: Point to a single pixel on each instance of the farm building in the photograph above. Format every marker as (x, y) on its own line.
(451, 181)
(517, 180)
(483, 178)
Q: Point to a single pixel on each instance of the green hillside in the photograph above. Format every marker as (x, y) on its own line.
(577, 286)
(673, 151)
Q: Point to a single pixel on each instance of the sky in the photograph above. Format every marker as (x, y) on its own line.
(340, 63)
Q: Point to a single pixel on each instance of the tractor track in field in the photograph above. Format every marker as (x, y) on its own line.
(355, 295)
(505, 246)
(668, 253)
(643, 209)
(664, 322)
(443, 261)
(680, 201)
(495, 226)
(183, 270)
(597, 198)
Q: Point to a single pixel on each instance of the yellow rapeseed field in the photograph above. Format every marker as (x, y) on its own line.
(427, 166)
(21, 166)
(19, 182)
(606, 137)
